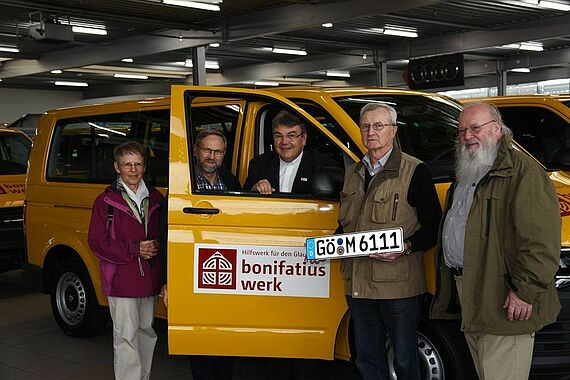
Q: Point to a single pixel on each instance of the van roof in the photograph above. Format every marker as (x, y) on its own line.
(294, 91)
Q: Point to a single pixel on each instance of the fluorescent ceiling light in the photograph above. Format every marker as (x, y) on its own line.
(262, 83)
(9, 49)
(338, 74)
(193, 4)
(130, 76)
(56, 71)
(71, 84)
(127, 60)
(213, 65)
(288, 51)
(521, 70)
(327, 25)
(214, 45)
(401, 31)
(554, 5)
(107, 129)
(532, 46)
(87, 30)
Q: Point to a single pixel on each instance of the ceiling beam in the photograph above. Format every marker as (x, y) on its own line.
(552, 27)
(288, 69)
(272, 21)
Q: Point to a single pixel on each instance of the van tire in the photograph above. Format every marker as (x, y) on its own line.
(443, 350)
(74, 303)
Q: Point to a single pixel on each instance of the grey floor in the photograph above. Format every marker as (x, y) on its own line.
(33, 347)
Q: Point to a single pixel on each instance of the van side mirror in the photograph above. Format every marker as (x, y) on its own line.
(328, 182)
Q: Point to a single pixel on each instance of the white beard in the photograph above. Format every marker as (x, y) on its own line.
(470, 167)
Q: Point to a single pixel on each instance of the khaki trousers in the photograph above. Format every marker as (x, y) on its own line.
(133, 336)
(500, 357)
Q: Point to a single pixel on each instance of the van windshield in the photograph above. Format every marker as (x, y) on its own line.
(14, 152)
(426, 127)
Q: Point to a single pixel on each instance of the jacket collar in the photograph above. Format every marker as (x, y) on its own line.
(392, 167)
(502, 167)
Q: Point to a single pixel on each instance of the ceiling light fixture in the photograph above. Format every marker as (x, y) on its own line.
(9, 49)
(130, 76)
(193, 4)
(554, 5)
(56, 71)
(127, 60)
(327, 25)
(263, 83)
(213, 65)
(401, 31)
(531, 45)
(214, 45)
(71, 84)
(88, 30)
(287, 51)
(337, 74)
(521, 70)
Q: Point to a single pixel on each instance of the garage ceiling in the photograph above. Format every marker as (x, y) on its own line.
(159, 39)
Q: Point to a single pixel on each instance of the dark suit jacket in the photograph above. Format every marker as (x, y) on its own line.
(266, 166)
(232, 183)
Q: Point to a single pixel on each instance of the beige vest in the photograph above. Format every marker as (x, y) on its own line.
(384, 205)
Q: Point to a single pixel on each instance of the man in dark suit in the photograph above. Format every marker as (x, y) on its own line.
(290, 167)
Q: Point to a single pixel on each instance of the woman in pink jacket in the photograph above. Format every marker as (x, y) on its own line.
(123, 233)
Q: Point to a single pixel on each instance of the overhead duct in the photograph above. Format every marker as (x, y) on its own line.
(50, 33)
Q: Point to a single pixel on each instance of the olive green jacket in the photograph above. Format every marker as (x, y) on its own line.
(512, 240)
(383, 205)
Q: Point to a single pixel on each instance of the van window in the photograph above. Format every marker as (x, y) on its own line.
(542, 132)
(14, 152)
(316, 140)
(82, 148)
(426, 127)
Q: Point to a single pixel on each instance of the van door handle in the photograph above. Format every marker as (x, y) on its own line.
(200, 210)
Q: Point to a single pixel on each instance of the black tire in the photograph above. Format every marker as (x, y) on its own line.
(443, 351)
(74, 303)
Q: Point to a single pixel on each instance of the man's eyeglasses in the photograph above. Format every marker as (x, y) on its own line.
(132, 165)
(376, 127)
(208, 151)
(474, 129)
(289, 136)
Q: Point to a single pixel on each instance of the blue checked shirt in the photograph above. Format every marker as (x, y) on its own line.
(203, 184)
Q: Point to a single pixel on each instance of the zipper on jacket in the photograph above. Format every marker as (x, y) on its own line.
(395, 208)
(488, 226)
(140, 267)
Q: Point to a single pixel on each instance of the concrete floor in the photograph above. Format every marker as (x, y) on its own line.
(33, 347)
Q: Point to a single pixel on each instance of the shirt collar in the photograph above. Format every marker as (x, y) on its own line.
(292, 163)
(378, 165)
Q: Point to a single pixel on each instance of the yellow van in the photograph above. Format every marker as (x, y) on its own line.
(14, 150)
(238, 281)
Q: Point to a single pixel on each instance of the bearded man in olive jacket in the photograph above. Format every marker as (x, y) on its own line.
(499, 247)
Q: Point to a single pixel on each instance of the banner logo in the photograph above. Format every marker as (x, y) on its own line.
(217, 268)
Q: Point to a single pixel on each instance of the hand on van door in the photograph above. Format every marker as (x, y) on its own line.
(164, 295)
(263, 187)
(148, 249)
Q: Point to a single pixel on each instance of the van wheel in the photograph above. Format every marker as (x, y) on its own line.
(74, 303)
(442, 351)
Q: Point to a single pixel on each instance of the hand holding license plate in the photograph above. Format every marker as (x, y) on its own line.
(356, 244)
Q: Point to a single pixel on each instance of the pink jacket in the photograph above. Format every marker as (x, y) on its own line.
(123, 272)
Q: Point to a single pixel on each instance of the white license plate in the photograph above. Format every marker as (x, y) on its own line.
(356, 244)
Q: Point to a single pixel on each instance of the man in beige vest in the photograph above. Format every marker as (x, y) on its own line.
(387, 189)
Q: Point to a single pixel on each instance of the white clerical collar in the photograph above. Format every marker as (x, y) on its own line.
(296, 161)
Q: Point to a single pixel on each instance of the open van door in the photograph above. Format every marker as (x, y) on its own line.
(238, 281)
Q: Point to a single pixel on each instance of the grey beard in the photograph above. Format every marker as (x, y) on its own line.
(470, 167)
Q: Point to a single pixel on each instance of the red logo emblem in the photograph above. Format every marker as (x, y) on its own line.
(2, 191)
(564, 204)
(217, 268)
